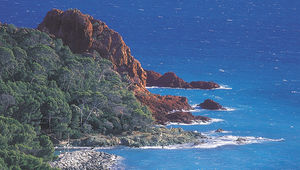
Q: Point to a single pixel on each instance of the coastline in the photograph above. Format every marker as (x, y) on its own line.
(155, 136)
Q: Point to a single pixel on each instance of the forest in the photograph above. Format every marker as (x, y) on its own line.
(49, 94)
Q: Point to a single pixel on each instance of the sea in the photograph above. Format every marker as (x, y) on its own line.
(251, 48)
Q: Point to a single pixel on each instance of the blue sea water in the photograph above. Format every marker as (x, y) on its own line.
(250, 46)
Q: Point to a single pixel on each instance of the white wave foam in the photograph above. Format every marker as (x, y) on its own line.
(192, 110)
(229, 109)
(295, 92)
(224, 87)
(214, 142)
(213, 132)
(196, 122)
(152, 87)
(197, 108)
(157, 87)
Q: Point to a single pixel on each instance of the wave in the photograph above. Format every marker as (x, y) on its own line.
(222, 87)
(194, 106)
(213, 132)
(192, 110)
(213, 120)
(158, 87)
(195, 110)
(153, 87)
(228, 109)
(214, 142)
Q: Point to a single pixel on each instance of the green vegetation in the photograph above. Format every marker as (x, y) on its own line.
(53, 92)
(21, 148)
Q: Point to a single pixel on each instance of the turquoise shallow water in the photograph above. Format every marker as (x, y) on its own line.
(252, 47)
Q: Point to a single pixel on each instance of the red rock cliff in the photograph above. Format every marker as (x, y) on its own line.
(83, 33)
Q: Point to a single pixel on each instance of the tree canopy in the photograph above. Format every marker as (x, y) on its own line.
(52, 91)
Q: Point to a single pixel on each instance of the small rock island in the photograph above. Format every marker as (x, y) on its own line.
(171, 80)
(211, 105)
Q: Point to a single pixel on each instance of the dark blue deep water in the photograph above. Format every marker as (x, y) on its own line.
(250, 46)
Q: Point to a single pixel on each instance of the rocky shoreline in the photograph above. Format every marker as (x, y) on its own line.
(86, 159)
(156, 136)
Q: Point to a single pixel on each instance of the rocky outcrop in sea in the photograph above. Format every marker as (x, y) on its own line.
(171, 80)
(86, 160)
(211, 105)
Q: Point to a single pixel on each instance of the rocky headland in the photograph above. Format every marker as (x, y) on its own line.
(84, 34)
(93, 114)
(86, 159)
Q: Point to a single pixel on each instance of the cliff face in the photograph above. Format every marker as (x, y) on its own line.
(83, 33)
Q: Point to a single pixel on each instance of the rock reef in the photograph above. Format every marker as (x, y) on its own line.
(170, 79)
(86, 159)
(204, 85)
